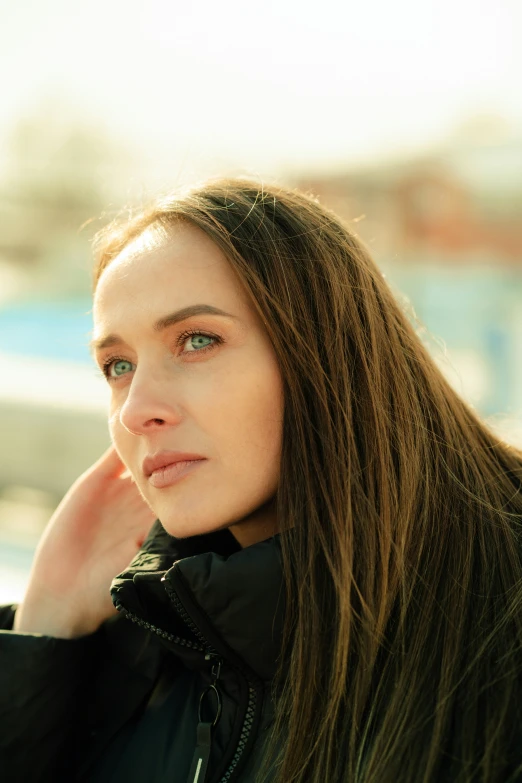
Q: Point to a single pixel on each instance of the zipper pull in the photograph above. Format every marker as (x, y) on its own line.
(200, 759)
(198, 768)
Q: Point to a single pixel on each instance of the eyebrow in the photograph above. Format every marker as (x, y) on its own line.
(162, 323)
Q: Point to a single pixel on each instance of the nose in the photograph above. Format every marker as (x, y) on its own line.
(149, 405)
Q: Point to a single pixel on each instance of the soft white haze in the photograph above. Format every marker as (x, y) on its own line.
(283, 83)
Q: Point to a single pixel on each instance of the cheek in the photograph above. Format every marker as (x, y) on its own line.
(249, 414)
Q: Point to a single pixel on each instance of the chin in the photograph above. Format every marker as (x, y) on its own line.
(209, 510)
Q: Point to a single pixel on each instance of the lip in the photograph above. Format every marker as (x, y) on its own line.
(164, 458)
(171, 474)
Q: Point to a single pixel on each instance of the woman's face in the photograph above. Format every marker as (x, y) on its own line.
(207, 384)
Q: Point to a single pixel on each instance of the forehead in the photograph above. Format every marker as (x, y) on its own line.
(167, 267)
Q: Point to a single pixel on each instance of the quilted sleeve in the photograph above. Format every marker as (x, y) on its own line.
(42, 681)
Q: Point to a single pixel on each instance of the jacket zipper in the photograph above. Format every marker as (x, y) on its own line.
(211, 654)
(245, 733)
(158, 631)
(252, 692)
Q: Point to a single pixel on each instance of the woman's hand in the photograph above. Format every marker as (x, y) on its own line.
(92, 536)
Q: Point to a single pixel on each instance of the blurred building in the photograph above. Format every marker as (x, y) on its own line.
(447, 229)
(60, 176)
(461, 204)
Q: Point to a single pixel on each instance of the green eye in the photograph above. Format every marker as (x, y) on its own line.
(196, 339)
(118, 364)
(115, 364)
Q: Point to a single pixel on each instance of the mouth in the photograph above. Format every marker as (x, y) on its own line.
(164, 458)
(167, 475)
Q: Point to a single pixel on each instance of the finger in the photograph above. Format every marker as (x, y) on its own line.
(110, 463)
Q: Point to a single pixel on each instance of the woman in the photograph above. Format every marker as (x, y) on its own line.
(334, 590)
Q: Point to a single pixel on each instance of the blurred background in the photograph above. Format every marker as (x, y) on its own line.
(404, 117)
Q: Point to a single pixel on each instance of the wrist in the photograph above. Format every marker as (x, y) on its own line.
(47, 619)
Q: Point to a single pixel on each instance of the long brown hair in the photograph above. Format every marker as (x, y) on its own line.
(399, 508)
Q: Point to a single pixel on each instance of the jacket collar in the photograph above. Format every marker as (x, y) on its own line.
(234, 596)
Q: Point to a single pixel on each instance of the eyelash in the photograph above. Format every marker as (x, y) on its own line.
(181, 339)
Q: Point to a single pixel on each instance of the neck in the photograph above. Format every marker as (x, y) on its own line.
(258, 526)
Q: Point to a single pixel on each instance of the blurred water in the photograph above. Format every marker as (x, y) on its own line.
(474, 313)
(23, 515)
(15, 564)
(54, 330)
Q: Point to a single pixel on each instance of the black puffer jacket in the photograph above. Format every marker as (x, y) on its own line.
(197, 616)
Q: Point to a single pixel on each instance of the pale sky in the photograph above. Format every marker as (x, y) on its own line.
(278, 83)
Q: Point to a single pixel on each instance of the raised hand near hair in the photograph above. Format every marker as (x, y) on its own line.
(92, 536)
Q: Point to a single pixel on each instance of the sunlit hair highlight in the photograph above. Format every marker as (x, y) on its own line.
(399, 511)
